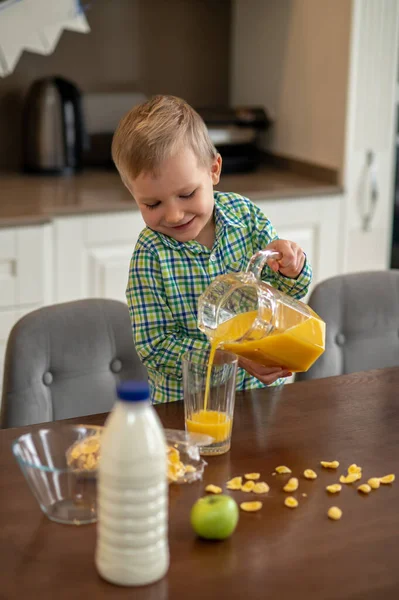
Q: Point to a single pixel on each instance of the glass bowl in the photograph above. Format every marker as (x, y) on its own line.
(65, 491)
(60, 467)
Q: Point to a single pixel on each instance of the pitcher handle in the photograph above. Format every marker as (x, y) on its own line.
(259, 260)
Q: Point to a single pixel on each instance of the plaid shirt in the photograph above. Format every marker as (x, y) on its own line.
(167, 277)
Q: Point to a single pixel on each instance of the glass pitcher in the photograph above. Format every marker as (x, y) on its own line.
(243, 314)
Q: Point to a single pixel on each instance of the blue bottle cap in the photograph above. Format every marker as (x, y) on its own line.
(133, 391)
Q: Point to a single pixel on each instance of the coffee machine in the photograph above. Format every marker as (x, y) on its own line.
(53, 132)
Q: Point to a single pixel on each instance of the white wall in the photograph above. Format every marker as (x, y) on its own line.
(292, 56)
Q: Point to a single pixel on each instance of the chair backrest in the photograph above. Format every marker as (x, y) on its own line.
(64, 361)
(361, 311)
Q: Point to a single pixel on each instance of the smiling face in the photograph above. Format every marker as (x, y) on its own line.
(178, 201)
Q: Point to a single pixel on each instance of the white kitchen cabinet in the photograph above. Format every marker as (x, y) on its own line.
(313, 223)
(26, 271)
(25, 266)
(370, 135)
(92, 255)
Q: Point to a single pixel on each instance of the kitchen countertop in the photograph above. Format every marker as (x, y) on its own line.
(27, 199)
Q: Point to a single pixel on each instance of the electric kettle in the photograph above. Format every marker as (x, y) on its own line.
(53, 127)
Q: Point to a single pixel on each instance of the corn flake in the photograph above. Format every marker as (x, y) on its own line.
(213, 489)
(374, 483)
(291, 485)
(91, 462)
(334, 488)
(173, 454)
(251, 506)
(364, 488)
(235, 483)
(354, 469)
(329, 465)
(261, 488)
(291, 502)
(248, 486)
(252, 476)
(283, 470)
(351, 478)
(334, 513)
(189, 469)
(387, 479)
(310, 474)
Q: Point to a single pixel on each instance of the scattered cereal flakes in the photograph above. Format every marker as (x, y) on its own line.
(334, 513)
(291, 485)
(261, 488)
(84, 454)
(175, 471)
(274, 474)
(374, 483)
(252, 476)
(235, 483)
(91, 445)
(173, 454)
(354, 469)
(190, 469)
(304, 495)
(282, 470)
(251, 506)
(387, 479)
(365, 488)
(171, 476)
(176, 468)
(334, 488)
(291, 502)
(213, 489)
(329, 465)
(248, 486)
(310, 474)
(91, 462)
(351, 478)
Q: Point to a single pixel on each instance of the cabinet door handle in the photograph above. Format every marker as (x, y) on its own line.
(374, 192)
(8, 268)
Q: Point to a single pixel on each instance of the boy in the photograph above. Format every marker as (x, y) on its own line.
(167, 161)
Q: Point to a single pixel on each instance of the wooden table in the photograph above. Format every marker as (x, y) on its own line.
(277, 553)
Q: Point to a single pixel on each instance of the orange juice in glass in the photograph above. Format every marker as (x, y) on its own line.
(209, 408)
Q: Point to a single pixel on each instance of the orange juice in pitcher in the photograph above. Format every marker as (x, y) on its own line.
(245, 315)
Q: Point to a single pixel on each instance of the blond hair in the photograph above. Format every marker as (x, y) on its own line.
(155, 130)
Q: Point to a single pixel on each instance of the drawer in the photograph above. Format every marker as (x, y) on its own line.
(25, 266)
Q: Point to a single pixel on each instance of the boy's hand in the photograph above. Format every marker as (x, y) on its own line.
(266, 375)
(292, 261)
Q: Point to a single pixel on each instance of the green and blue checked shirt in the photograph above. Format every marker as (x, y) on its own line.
(167, 277)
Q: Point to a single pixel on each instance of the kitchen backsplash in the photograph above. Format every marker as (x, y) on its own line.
(180, 47)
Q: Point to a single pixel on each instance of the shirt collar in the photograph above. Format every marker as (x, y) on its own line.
(224, 212)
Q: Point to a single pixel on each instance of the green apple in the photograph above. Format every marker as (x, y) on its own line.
(214, 517)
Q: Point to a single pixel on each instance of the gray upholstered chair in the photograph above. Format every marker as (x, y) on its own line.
(361, 311)
(64, 361)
